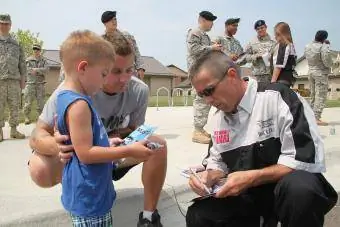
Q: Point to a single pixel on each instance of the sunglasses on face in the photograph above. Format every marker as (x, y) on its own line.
(36, 49)
(209, 91)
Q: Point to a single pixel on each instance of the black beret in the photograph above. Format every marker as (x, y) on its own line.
(321, 35)
(232, 21)
(259, 23)
(108, 15)
(208, 15)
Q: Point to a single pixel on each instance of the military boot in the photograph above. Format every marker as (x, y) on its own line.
(200, 137)
(15, 134)
(27, 121)
(1, 135)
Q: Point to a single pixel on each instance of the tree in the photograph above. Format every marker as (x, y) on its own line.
(27, 39)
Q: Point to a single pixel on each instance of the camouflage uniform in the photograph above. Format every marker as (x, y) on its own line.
(197, 42)
(12, 71)
(254, 50)
(131, 39)
(230, 45)
(35, 85)
(319, 63)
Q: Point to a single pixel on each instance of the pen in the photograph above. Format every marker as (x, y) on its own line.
(199, 179)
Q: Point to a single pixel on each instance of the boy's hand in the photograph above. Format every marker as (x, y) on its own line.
(139, 151)
(115, 141)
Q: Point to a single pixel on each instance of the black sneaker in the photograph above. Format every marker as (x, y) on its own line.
(156, 220)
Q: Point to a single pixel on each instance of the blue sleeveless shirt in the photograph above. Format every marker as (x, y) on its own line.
(87, 189)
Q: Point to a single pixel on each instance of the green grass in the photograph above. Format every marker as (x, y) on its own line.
(333, 103)
(162, 101)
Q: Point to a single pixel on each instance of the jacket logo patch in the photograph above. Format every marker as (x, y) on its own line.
(266, 132)
(266, 123)
(221, 136)
(266, 127)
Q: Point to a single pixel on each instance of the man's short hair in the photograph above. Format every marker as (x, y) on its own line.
(122, 45)
(216, 61)
(321, 36)
(87, 46)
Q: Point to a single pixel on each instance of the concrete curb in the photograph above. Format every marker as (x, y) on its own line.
(132, 196)
(129, 203)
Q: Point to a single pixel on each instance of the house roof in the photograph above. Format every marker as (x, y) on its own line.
(155, 68)
(152, 66)
(52, 57)
(177, 71)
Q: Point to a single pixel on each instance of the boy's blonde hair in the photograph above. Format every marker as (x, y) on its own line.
(85, 46)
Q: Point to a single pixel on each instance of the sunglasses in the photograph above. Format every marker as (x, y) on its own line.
(36, 49)
(209, 91)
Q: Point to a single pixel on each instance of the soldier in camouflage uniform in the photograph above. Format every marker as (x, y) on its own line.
(231, 46)
(261, 45)
(12, 77)
(199, 42)
(35, 85)
(319, 61)
(110, 21)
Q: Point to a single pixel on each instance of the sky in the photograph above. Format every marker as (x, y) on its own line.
(160, 26)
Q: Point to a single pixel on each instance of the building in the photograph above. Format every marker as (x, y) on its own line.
(156, 75)
(180, 79)
(302, 82)
(53, 60)
(179, 74)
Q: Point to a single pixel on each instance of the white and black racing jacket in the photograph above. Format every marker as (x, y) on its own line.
(276, 126)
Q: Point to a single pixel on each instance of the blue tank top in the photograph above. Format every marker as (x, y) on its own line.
(87, 189)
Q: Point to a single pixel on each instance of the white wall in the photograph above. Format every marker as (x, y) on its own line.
(302, 68)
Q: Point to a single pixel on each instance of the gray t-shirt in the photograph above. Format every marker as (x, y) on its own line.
(116, 111)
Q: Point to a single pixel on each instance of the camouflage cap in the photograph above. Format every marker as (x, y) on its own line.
(232, 21)
(5, 18)
(36, 46)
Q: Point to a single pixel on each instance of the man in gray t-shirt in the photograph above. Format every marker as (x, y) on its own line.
(118, 111)
(122, 106)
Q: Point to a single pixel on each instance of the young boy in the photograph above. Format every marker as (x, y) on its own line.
(87, 189)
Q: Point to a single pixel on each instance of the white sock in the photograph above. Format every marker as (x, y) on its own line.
(147, 214)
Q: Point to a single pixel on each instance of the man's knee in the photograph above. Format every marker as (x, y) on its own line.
(162, 153)
(45, 171)
(193, 217)
(301, 190)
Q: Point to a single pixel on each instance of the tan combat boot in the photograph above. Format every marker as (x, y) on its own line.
(1, 135)
(200, 137)
(15, 134)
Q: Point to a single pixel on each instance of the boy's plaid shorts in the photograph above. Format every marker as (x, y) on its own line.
(100, 221)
